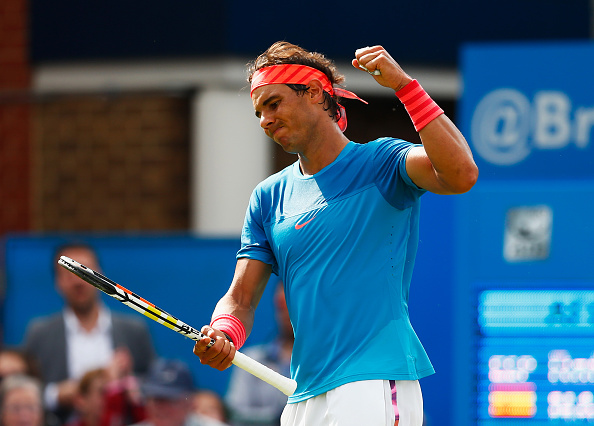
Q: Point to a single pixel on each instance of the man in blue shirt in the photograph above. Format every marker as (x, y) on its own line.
(340, 228)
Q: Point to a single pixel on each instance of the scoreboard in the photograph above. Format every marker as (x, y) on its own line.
(535, 357)
(524, 327)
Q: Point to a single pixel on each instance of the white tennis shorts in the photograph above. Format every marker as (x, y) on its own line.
(363, 403)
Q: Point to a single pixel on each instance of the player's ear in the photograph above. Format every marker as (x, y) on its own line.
(316, 91)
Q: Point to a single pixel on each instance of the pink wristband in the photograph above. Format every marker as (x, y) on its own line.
(232, 326)
(419, 105)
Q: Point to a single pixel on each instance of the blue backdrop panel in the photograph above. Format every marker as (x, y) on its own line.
(183, 275)
(528, 109)
(430, 303)
(524, 272)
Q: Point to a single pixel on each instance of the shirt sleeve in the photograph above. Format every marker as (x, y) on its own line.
(392, 180)
(50, 396)
(254, 241)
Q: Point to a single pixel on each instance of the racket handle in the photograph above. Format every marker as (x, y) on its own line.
(282, 383)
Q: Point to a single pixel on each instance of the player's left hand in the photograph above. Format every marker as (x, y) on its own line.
(220, 355)
(377, 58)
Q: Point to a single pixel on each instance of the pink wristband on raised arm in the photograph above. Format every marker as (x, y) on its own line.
(419, 105)
(232, 326)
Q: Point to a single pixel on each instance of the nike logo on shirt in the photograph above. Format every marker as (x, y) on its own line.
(301, 225)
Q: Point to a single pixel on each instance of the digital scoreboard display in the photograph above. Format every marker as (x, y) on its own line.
(535, 357)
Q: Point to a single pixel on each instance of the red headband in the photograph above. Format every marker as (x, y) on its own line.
(301, 74)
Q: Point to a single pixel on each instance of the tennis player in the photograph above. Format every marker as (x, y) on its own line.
(340, 228)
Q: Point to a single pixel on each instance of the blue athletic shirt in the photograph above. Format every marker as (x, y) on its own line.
(344, 242)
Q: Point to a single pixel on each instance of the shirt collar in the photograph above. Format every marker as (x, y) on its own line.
(73, 325)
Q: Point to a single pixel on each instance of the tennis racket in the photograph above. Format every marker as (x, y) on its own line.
(146, 308)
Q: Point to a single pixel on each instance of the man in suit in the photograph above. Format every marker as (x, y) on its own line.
(83, 336)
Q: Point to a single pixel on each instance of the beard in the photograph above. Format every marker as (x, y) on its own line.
(83, 307)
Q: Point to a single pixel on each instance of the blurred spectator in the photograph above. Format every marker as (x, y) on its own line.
(20, 401)
(168, 393)
(209, 404)
(124, 402)
(15, 361)
(83, 336)
(100, 401)
(250, 400)
(89, 402)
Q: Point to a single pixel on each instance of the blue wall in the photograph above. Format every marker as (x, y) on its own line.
(186, 276)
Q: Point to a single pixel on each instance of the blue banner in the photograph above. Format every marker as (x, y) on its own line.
(528, 109)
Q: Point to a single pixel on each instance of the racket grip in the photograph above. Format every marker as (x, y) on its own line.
(282, 383)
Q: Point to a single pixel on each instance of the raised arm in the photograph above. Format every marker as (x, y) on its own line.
(444, 164)
(241, 301)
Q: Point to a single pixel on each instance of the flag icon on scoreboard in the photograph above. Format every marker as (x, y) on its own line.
(512, 400)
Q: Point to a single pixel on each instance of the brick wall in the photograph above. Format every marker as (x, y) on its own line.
(15, 75)
(111, 163)
(86, 163)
